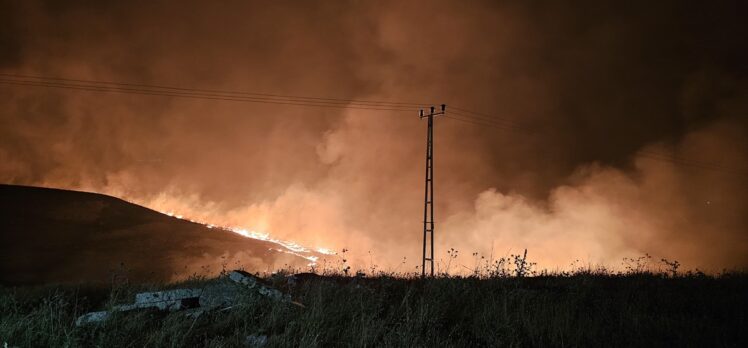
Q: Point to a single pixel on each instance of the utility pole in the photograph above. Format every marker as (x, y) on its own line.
(428, 206)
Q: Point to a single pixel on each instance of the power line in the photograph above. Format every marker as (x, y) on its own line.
(661, 157)
(214, 91)
(458, 113)
(489, 118)
(193, 93)
(682, 160)
(493, 124)
(652, 155)
(480, 123)
(224, 95)
(148, 89)
(657, 156)
(200, 95)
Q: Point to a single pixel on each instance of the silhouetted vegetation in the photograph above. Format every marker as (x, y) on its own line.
(581, 308)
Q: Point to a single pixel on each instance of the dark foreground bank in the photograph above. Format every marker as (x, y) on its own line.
(578, 310)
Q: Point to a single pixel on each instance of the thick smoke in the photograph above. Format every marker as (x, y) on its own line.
(594, 85)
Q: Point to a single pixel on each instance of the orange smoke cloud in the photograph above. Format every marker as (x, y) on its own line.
(596, 87)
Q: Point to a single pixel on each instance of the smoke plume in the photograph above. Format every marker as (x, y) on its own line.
(597, 88)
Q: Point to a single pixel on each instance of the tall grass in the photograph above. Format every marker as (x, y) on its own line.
(584, 308)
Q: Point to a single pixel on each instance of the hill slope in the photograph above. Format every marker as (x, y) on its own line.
(51, 235)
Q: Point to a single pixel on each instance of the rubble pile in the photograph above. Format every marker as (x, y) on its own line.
(219, 295)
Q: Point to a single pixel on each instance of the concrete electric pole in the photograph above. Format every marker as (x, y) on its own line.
(428, 207)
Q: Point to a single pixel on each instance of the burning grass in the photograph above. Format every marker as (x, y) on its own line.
(581, 308)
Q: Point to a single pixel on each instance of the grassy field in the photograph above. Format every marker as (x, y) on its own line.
(579, 309)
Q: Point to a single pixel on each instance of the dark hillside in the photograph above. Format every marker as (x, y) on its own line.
(50, 235)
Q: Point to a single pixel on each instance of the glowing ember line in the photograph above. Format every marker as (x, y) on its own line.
(313, 259)
(291, 247)
(326, 251)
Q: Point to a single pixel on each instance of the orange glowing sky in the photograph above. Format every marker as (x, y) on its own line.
(596, 88)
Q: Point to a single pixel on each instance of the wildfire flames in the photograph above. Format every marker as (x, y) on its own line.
(284, 246)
